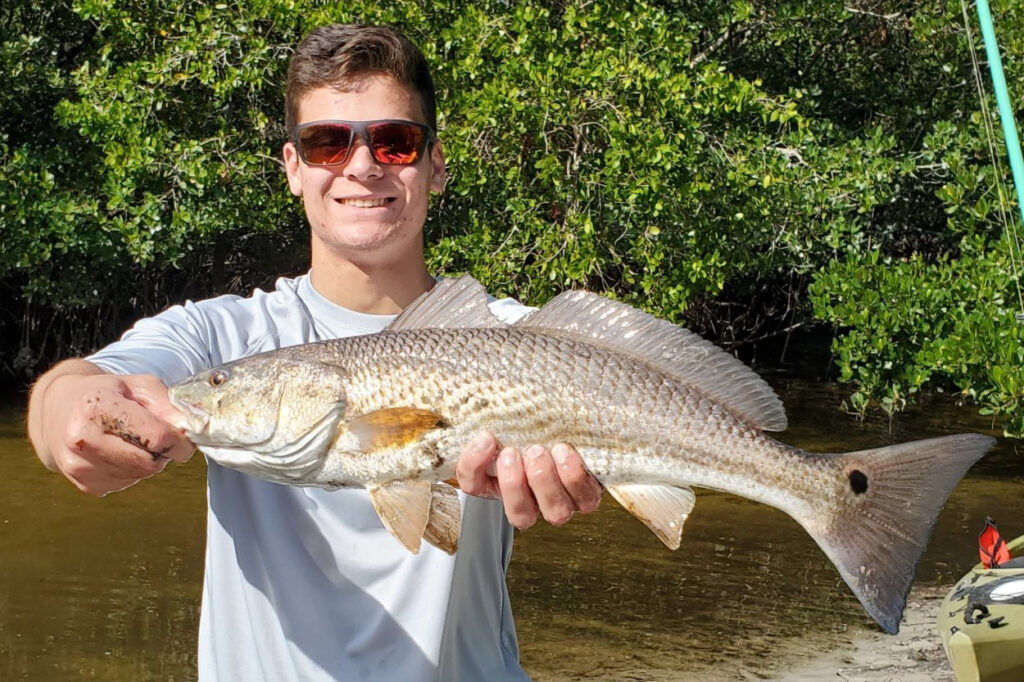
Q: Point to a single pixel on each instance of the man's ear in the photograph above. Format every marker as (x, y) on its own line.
(439, 175)
(291, 168)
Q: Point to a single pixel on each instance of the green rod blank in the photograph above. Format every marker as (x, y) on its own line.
(995, 65)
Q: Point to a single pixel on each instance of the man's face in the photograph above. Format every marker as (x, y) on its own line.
(362, 210)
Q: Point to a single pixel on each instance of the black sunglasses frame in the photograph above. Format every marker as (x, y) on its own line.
(361, 129)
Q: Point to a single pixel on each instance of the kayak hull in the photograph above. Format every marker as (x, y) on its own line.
(981, 622)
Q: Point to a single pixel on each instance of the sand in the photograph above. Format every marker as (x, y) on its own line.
(859, 655)
(913, 655)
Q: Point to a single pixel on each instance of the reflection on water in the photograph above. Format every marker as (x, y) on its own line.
(109, 589)
(96, 589)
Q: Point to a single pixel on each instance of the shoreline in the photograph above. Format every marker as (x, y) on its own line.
(915, 654)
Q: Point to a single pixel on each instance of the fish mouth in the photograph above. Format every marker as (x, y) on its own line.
(193, 419)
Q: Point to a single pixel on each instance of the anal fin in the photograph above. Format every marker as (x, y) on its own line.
(445, 521)
(662, 508)
(404, 509)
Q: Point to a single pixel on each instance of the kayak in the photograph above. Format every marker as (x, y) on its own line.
(981, 620)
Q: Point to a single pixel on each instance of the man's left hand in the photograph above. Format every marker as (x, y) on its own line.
(551, 483)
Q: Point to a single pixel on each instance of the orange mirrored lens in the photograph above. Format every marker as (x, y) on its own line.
(325, 144)
(396, 143)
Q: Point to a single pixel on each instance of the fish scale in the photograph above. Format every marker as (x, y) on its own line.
(673, 434)
(652, 409)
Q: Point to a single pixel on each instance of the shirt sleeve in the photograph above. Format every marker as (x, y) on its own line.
(509, 310)
(171, 345)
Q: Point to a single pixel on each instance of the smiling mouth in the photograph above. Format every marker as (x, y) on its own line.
(365, 203)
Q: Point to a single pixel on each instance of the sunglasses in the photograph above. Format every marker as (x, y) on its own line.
(392, 142)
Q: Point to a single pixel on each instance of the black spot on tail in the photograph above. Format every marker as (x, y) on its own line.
(858, 482)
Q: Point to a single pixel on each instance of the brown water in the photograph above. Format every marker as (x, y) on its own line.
(109, 588)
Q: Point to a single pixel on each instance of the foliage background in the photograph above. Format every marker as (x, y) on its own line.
(744, 167)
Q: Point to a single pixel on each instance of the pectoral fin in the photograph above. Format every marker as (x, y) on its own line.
(662, 508)
(445, 521)
(393, 427)
(404, 509)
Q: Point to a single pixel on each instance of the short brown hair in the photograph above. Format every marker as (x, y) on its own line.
(335, 55)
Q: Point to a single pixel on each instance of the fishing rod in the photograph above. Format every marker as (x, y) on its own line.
(1013, 149)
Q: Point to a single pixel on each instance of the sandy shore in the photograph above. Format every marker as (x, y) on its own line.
(914, 655)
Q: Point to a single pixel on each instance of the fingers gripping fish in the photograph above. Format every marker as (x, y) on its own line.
(653, 410)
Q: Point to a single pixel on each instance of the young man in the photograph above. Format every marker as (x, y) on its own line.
(303, 583)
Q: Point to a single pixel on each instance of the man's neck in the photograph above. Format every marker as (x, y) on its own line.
(379, 290)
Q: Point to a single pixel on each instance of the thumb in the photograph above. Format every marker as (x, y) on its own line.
(151, 393)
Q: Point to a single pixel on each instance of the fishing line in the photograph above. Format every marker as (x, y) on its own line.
(1008, 222)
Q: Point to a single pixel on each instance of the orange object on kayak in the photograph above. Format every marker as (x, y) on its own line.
(991, 546)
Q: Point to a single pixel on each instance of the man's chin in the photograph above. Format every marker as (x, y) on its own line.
(389, 249)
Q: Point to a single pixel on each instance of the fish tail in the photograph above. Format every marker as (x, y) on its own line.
(892, 497)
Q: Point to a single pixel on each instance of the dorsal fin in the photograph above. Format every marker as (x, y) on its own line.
(668, 348)
(451, 303)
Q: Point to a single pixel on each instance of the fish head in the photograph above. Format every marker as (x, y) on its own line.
(271, 416)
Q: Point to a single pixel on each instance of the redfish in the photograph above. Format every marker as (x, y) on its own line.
(653, 409)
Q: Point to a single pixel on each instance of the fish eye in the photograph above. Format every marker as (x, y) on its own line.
(218, 377)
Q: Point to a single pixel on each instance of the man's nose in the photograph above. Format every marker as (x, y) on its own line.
(361, 163)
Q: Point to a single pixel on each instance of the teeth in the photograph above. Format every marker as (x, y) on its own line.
(364, 203)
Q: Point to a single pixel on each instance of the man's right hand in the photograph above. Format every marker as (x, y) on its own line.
(103, 432)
